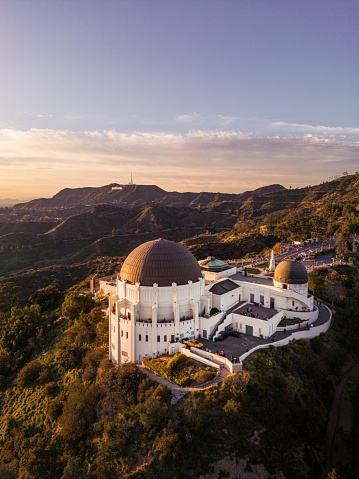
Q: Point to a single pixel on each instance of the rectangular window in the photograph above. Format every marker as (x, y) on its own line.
(251, 298)
(293, 303)
(260, 331)
(113, 346)
(158, 339)
(261, 299)
(121, 332)
(139, 337)
(172, 338)
(181, 336)
(147, 338)
(240, 326)
(165, 338)
(126, 335)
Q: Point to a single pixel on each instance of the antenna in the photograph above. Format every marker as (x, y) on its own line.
(131, 183)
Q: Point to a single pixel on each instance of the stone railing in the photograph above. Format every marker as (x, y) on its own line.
(301, 334)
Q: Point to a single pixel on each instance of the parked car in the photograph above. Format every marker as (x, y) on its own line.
(192, 343)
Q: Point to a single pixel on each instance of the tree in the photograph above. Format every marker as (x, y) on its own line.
(9, 296)
(76, 303)
(341, 246)
(334, 287)
(79, 413)
(48, 298)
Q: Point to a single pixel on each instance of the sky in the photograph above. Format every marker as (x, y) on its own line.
(191, 95)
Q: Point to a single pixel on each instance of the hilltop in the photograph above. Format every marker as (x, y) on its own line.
(78, 225)
(130, 196)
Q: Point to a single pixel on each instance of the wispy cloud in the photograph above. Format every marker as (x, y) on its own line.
(227, 119)
(39, 162)
(188, 118)
(339, 130)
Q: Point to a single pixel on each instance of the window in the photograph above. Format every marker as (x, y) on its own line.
(260, 330)
(261, 299)
(139, 337)
(147, 338)
(293, 303)
(121, 332)
(285, 286)
(240, 326)
(126, 335)
(158, 339)
(251, 298)
(113, 346)
(165, 338)
(172, 338)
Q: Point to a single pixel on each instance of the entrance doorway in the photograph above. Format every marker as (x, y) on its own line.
(249, 330)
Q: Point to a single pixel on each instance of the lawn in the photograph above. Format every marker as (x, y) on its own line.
(181, 370)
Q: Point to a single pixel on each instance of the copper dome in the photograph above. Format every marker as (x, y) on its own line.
(160, 261)
(291, 272)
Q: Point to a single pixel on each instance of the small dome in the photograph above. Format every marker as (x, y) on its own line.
(160, 261)
(291, 272)
(213, 264)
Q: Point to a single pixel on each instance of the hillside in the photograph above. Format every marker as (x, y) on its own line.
(132, 196)
(87, 231)
(103, 230)
(66, 412)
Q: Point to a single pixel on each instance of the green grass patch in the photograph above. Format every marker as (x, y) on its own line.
(181, 370)
(253, 271)
(289, 322)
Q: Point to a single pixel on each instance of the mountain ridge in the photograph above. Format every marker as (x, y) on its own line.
(134, 195)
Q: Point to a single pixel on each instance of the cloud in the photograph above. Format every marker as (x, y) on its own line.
(188, 118)
(317, 128)
(40, 162)
(227, 119)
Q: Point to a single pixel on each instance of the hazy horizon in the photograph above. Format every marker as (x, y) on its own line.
(190, 96)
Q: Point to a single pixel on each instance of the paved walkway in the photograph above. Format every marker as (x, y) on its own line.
(179, 392)
(233, 346)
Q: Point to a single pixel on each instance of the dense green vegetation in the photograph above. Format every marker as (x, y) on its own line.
(66, 412)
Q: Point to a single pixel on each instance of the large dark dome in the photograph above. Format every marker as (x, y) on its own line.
(160, 261)
(291, 272)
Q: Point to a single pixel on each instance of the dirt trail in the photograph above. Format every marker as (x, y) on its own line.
(338, 415)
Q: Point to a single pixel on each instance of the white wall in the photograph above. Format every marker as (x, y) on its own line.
(266, 328)
(303, 334)
(108, 287)
(211, 276)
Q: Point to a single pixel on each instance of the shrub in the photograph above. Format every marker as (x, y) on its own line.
(29, 374)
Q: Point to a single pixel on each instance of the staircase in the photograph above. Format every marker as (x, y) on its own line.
(215, 329)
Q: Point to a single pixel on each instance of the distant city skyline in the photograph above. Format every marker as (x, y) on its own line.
(191, 96)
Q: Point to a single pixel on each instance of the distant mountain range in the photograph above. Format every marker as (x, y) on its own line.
(130, 196)
(8, 202)
(82, 224)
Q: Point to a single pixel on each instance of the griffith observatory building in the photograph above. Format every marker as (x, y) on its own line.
(163, 295)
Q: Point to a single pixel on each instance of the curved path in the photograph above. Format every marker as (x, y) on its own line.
(179, 392)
